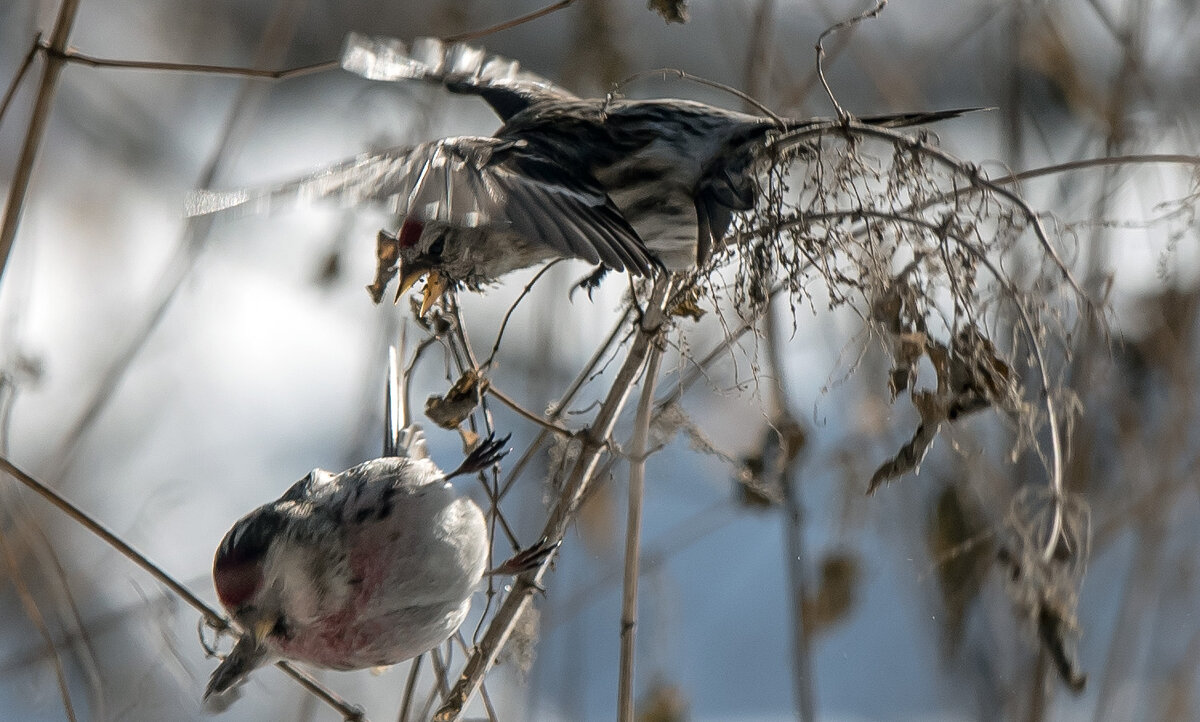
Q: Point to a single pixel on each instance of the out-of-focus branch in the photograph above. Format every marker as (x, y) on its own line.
(788, 428)
(18, 77)
(37, 129)
(507, 24)
(73, 56)
(593, 441)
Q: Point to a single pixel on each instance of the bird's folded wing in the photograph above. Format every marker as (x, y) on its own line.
(465, 182)
(461, 68)
(567, 210)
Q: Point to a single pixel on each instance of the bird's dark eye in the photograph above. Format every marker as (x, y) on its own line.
(438, 246)
(281, 629)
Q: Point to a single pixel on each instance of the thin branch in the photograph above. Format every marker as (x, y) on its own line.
(73, 56)
(211, 616)
(37, 129)
(507, 24)
(559, 407)
(633, 534)
(1134, 159)
(513, 307)
(594, 441)
(20, 75)
(525, 413)
(483, 693)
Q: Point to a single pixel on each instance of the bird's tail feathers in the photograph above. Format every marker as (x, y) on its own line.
(907, 120)
(889, 120)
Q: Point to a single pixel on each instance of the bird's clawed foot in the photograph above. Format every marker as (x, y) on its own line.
(527, 559)
(488, 452)
(590, 282)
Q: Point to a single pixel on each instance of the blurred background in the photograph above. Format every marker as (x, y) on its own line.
(169, 375)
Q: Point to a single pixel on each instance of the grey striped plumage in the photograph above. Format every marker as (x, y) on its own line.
(629, 184)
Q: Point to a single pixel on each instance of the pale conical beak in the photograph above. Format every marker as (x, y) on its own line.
(407, 279)
(248, 654)
(435, 286)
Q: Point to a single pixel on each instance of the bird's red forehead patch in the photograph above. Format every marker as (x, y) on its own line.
(410, 233)
(236, 581)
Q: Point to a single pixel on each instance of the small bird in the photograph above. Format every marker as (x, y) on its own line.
(630, 185)
(365, 568)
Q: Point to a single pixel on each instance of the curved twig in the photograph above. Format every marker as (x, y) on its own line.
(820, 48)
(684, 75)
(508, 314)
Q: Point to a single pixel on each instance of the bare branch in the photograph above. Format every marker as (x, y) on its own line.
(33, 135)
(633, 534)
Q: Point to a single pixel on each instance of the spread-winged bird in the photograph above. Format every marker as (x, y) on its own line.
(634, 185)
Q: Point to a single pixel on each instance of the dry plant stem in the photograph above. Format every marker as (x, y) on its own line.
(560, 406)
(525, 413)
(684, 75)
(633, 534)
(35, 615)
(410, 687)
(513, 307)
(37, 129)
(982, 183)
(978, 181)
(820, 48)
(211, 616)
(1134, 159)
(793, 529)
(593, 441)
(483, 693)
(1056, 441)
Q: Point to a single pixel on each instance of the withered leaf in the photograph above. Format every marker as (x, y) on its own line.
(1054, 631)
(834, 597)
(909, 457)
(673, 11)
(761, 475)
(452, 409)
(688, 308)
(387, 254)
(663, 702)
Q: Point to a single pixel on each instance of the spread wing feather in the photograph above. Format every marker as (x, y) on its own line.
(466, 182)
